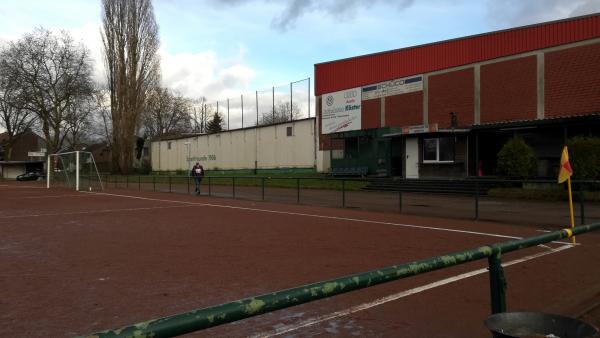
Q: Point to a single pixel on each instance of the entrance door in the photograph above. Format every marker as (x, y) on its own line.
(397, 156)
(412, 157)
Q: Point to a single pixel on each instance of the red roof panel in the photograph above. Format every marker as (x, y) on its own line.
(362, 70)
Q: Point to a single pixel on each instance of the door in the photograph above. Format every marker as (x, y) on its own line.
(397, 156)
(412, 157)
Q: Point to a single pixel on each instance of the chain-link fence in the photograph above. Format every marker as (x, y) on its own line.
(277, 104)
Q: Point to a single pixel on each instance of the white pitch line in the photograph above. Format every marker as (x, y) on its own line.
(92, 211)
(22, 186)
(359, 220)
(316, 320)
(50, 196)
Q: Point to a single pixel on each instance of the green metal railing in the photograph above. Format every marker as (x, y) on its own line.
(248, 307)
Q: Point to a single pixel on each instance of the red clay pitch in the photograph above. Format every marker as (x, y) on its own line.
(76, 263)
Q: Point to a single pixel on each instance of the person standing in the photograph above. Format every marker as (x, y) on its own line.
(198, 174)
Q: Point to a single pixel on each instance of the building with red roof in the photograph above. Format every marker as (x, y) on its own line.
(445, 109)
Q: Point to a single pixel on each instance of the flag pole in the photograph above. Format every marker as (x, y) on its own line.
(571, 207)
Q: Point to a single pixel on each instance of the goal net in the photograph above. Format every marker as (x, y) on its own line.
(76, 170)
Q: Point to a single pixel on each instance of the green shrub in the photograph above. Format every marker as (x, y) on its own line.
(517, 159)
(584, 156)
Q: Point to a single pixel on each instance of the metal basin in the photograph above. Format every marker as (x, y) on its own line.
(538, 325)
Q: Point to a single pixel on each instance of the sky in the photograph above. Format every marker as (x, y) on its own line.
(219, 49)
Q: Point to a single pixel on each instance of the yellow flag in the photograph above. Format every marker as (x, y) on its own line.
(565, 167)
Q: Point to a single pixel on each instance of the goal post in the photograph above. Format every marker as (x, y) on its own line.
(76, 170)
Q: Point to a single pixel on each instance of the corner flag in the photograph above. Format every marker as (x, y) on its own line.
(565, 174)
(565, 167)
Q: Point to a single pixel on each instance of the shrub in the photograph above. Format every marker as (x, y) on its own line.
(517, 159)
(584, 156)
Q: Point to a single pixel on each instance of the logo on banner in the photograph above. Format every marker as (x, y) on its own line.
(329, 100)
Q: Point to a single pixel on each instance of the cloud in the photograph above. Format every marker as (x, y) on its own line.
(510, 13)
(341, 9)
(206, 74)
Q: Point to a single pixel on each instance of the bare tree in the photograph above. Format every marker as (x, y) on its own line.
(283, 112)
(51, 73)
(13, 117)
(200, 113)
(166, 113)
(130, 39)
(102, 127)
(79, 121)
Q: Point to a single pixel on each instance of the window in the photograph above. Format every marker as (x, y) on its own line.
(169, 145)
(290, 131)
(439, 149)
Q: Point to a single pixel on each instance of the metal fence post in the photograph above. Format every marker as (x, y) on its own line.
(400, 201)
(298, 190)
(209, 192)
(169, 183)
(497, 283)
(139, 182)
(263, 188)
(127, 181)
(116, 178)
(188, 184)
(582, 204)
(343, 193)
(153, 183)
(233, 186)
(476, 199)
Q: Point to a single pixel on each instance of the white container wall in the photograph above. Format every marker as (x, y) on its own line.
(286, 145)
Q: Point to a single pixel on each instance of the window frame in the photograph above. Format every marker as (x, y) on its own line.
(437, 150)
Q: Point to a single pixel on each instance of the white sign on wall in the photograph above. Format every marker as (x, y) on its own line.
(393, 87)
(341, 111)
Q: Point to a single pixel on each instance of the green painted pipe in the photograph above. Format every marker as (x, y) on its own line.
(228, 312)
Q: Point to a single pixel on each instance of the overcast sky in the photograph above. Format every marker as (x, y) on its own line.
(220, 49)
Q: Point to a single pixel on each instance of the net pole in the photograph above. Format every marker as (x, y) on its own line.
(77, 171)
(309, 97)
(48, 174)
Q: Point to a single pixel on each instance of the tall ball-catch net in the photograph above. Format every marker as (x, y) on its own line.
(76, 170)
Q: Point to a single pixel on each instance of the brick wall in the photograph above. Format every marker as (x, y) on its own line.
(572, 81)
(509, 90)
(404, 109)
(371, 114)
(452, 92)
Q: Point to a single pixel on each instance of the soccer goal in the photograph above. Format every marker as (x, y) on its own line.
(76, 169)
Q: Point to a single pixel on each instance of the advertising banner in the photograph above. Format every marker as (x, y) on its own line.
(393, 87)
(341, 111)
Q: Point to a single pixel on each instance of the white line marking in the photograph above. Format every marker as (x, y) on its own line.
(313, 321)
(93, 211)
(21, 186)
(50, 196)
(316, 216)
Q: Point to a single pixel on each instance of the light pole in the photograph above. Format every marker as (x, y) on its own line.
(188, 145)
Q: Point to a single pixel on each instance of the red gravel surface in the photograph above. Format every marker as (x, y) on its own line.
(76, 263)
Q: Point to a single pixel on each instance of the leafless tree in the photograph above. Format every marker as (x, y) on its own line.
(13, 117)
(166, 113)
(103, 120)
(200, 114)
(79, 120)
(130, 39)
(51, 73)
(282, 113)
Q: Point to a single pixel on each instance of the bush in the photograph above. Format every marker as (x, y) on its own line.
(584, 156)
(517, 159)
